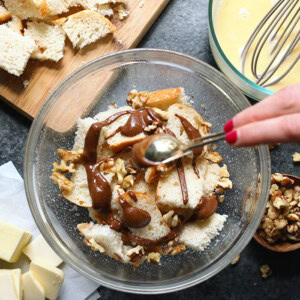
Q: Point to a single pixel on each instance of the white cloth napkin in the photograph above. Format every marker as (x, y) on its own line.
(14, 210)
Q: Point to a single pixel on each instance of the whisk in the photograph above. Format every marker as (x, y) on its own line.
(285, 16)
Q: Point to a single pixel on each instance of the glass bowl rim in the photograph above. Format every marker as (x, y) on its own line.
(231, 66)
(69, 258)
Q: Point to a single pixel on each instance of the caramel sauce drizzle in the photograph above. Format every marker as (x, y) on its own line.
(181, 176)
(206, 207)
(180, 172)
(192, 133)
(132, 216)
(99, 188)
(151, 243)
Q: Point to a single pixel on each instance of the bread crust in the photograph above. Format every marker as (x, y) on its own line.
(162, 99)
(92, 14)
(5, 16)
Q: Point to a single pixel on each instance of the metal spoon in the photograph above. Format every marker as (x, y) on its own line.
(164, 148)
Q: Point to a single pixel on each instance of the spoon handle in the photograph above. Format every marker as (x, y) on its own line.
(200, 142)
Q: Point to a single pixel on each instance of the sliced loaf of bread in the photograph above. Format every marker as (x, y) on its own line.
(49, 39)
(86, 27)
(15, 51)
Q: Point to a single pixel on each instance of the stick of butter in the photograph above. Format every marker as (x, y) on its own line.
(33, 290)
(12, 241)
(49, 277)
(38, 250)
(10, 284)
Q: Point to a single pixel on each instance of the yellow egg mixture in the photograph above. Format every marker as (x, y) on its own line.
(235, 22)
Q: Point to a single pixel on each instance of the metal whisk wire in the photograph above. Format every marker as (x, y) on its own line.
(283, 9)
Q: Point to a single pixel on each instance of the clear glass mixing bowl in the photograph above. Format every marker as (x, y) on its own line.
(90, 90)
(247, 86)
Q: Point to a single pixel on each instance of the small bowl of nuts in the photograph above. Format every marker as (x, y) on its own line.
(279, 229)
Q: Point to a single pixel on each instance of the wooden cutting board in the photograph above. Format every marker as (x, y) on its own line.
(43, 77)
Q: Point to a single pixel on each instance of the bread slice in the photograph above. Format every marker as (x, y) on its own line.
(15, 51)
(162, 99)
(15, 24)
(80, 194)
(27, 9)
(101, 2)
(122, 11)
(143, 187)
(86, 27)
(49, 39)
(105, 240)
(212, 178)
(188, 112)
(5, 15)
(58, 6)
(103, 9)
(157, 228)
(83, 126)
(118, 142)
(169, 194)
(198, 235)
(10, 21)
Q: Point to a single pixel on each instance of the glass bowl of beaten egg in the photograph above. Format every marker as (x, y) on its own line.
(91, 89)
(230, 26)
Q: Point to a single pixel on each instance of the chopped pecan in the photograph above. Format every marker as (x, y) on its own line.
(153, 258)
(265, 271)
(163, 114)
(63, 167)
(64, 184)
(108, 166)
(178, 249)
(224, 172)
(151, 174)
(137, 99)
(136, 253)
(72, 156)
(214, 157)
(296, 157)
(235, 260)
(127, 182)
(225, 183)
(280, 202)
(283, 180)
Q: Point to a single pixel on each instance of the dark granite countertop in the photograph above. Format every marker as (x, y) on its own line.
(183, 27)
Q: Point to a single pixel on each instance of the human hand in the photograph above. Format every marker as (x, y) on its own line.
(273, 120)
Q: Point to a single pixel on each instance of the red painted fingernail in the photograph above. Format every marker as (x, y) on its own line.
(231, 137)
(228, 126)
